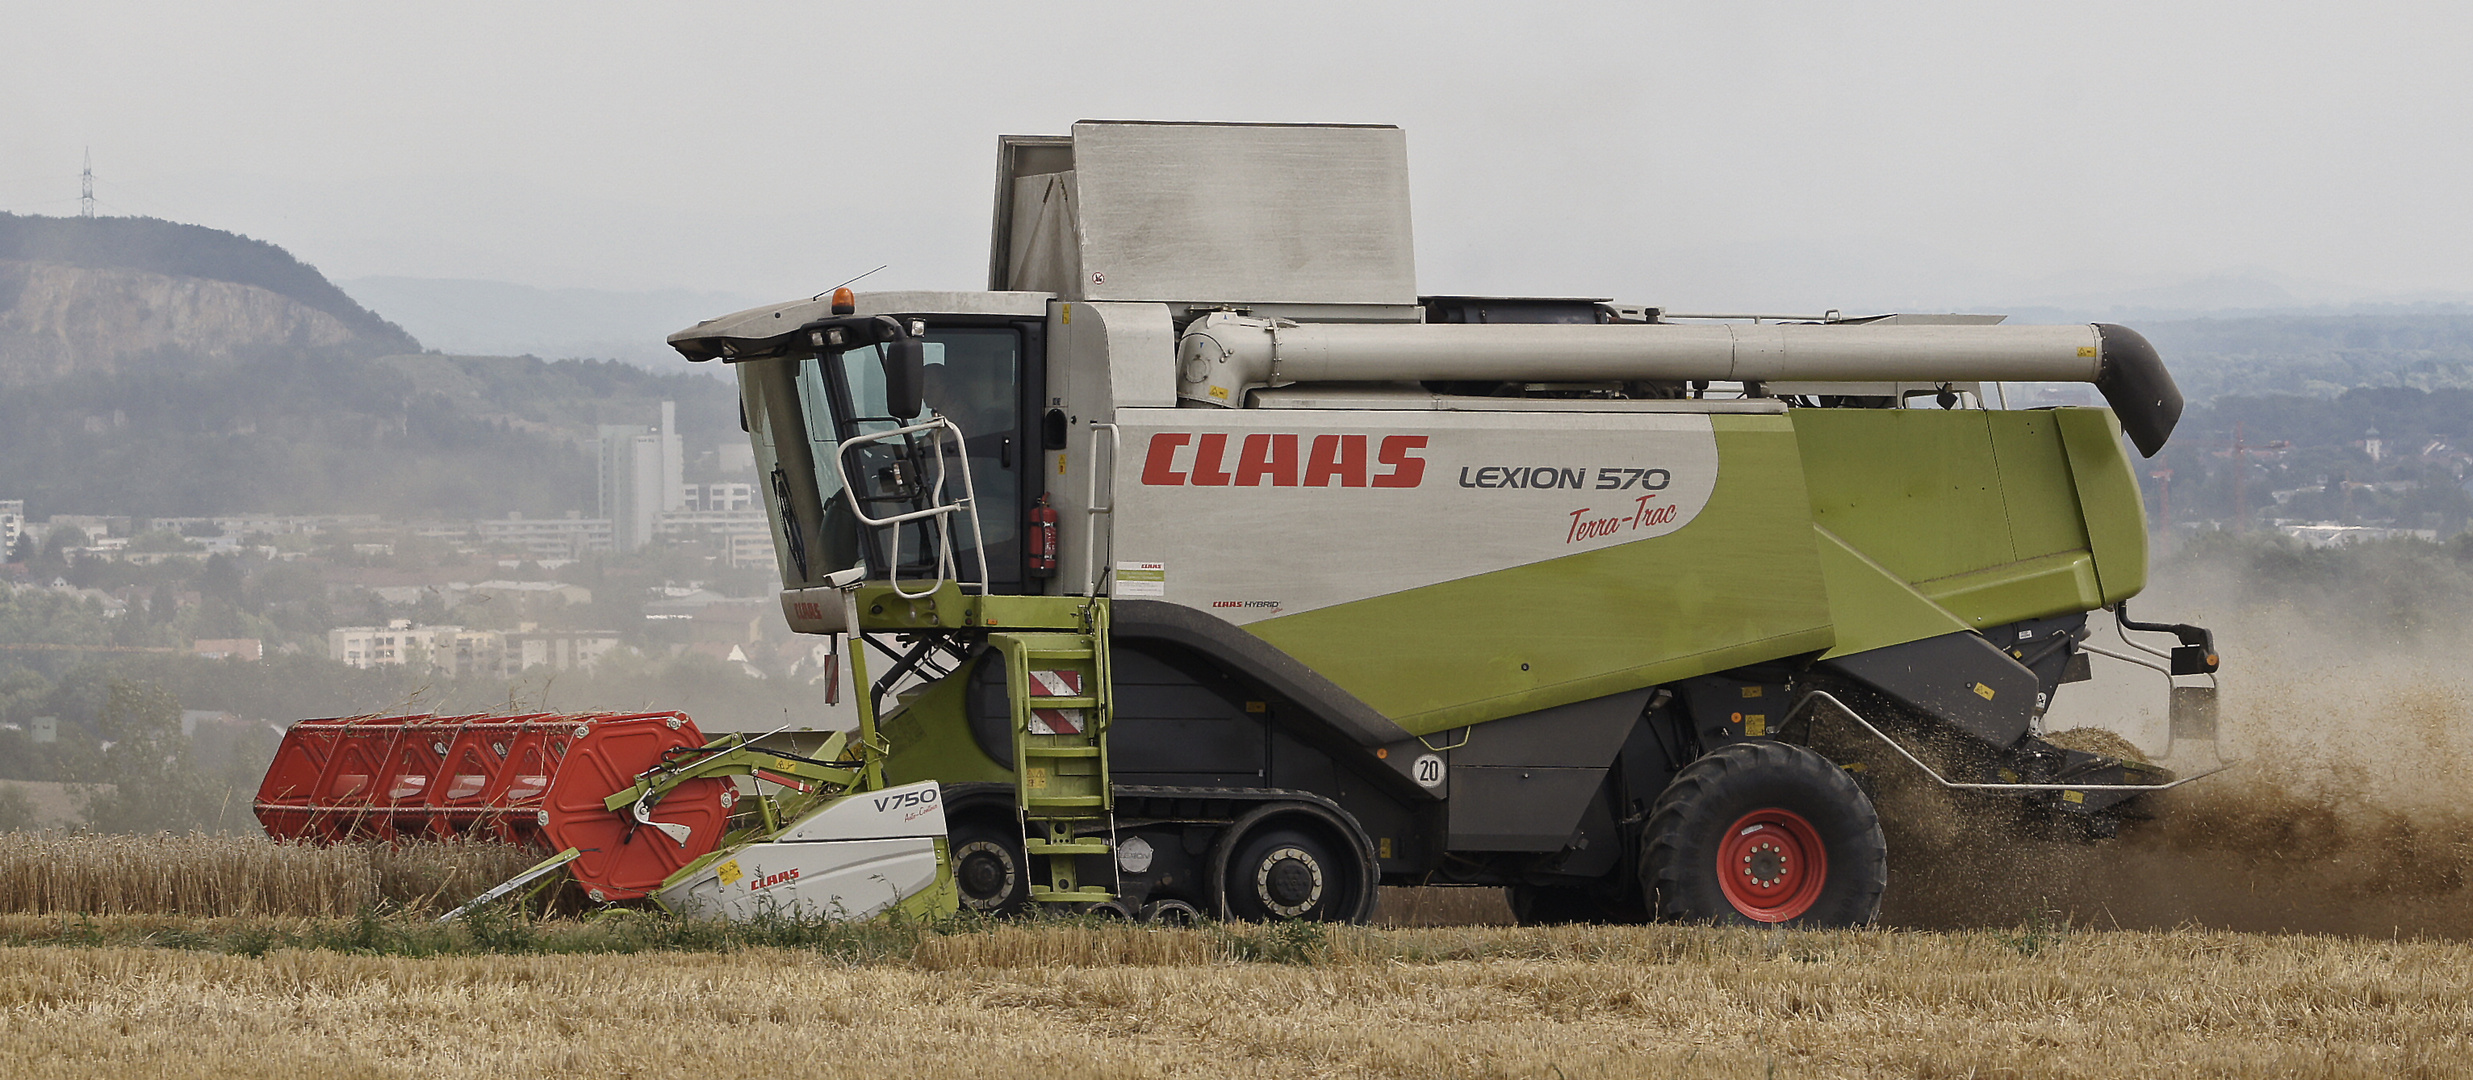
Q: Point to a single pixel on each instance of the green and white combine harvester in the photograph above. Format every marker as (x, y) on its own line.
(1202, 566)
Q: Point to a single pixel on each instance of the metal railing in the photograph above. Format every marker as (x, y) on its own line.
(940, 511)
(1092, 509)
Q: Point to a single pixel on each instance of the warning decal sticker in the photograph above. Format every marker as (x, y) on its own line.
(1141, 579)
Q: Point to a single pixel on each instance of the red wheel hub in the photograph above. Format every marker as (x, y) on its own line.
(1771, 865)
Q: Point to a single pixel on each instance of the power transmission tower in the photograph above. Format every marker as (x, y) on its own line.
(85, 201)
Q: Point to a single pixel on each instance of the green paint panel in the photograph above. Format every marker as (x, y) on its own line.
(1916, 490)
(2116, 513)
(2027, 589)
(1979, 511)
(2035, 483)
(1871, 607)
(1740, 584)
(931, 740)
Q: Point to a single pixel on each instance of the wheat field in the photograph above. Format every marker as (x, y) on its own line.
(1055, 1001)
(87, 873)
(2310, 914)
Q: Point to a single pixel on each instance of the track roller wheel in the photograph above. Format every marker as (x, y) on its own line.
(1762, 834)
(1294, 861)
(1170, 913)
(988, 866)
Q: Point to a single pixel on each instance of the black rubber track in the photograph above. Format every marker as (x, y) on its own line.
(1678, 865)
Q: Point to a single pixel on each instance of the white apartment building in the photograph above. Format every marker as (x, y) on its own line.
(752, 549)
(558, 650)
(546, 538)
(270, 524)
(642, 474)
(452, 650)
(738, 495)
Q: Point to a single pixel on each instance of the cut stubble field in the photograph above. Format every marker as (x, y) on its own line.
(1068, 1000)
(2310, 914)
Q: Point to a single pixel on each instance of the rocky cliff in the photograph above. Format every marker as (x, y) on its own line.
(55, 320)
(109, 295)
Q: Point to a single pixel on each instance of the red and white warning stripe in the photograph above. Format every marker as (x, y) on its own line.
(1055, 684)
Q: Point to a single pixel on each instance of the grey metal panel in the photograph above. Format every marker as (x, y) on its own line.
(1018, 156)
(1046, 248)
(1960, 679)
(1243, 213)
(1141, 351)
(938, 302)
(1410, 396)
(1518, 809)
(1583, 734)
(1919, 319)
(765, 330)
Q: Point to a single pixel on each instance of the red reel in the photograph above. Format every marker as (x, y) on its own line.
(536, 780)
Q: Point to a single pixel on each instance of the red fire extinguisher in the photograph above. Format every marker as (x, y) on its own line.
(1043, 539)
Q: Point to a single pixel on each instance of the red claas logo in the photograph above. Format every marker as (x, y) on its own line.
(1276, 460)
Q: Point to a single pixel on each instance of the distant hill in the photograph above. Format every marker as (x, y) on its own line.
(111, 294)
(2322, 355)
(162, 369)
(497, 317)
(409, 436)
(167, 247)
(2317, 353)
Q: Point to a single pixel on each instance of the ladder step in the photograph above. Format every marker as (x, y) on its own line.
(1086, 893)
(1071, 766)
(1065, 847)
(1064, 801)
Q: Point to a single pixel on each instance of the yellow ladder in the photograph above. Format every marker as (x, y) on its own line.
(1059, 687)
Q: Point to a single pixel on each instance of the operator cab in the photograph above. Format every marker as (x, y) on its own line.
(849, 393)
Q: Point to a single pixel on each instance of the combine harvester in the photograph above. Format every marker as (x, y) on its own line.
(1211, 569)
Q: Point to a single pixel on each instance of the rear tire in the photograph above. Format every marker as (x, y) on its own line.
(1764, 834)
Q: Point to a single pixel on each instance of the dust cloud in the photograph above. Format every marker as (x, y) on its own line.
(2351, 719)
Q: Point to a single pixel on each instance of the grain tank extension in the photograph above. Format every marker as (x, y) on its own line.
(1204, 566)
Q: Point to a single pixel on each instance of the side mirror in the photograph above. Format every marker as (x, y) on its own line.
(905, 363)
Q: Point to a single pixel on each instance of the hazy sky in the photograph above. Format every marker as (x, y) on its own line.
(1712, 155)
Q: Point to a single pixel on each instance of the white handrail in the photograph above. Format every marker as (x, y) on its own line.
(939, 510)
(2089, 647)
(1091, 508)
